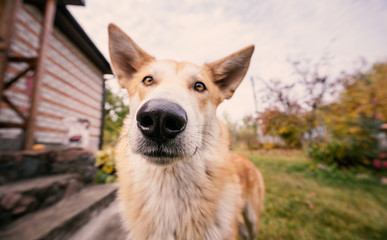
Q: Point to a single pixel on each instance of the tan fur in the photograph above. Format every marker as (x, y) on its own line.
(253, 190)
(204, 193)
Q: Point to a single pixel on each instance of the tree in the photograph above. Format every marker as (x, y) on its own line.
(242, 136)
(301, 100)
(114, 115)
(354, 119)
(289, 126)
(247, 133)
(364, 99)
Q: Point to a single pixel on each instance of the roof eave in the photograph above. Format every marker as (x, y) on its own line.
(65, 21)
(69, 26)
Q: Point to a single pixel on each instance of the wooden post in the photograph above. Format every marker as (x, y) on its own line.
(102, 114)
(8, 9)
(49, 15)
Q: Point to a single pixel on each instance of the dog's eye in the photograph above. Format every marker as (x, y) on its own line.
(200, 87)
(147, 81)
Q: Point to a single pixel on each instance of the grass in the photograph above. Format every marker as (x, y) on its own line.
(303, 201)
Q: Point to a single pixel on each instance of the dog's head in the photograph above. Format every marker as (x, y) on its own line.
(172, 104)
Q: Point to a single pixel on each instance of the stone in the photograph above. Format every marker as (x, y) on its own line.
(63, 183)
(15, 166)
(72, 154)
(9, 166)
(50, 201)
(75, 160)
(29, 167)
(28, 201)
(26, 204)
(19, 210)
(63, 218)
(20, 165)
(72, 188)
(89, 174)
(106, 225)
(10, 200)
(26, 196)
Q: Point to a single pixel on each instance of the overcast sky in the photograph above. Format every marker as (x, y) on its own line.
(202, 31)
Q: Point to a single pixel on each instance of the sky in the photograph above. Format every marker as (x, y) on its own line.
(202, 31)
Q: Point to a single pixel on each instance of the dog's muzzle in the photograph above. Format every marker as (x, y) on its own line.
(161, 120)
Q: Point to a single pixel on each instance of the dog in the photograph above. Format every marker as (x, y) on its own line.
(178, 179)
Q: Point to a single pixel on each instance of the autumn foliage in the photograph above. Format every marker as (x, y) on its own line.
(354, 120)
(337, 121)
(289, 126)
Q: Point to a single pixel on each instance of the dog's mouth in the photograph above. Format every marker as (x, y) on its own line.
(160, 153)
(161, 158)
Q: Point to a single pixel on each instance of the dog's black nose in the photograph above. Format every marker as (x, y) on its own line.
(160, 119)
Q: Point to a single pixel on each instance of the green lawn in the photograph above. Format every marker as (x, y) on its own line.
(303, 201)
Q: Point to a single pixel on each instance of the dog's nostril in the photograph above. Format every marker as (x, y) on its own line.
(174, 124)
(146, 121)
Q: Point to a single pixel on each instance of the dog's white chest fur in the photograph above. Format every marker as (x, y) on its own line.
(171, 197)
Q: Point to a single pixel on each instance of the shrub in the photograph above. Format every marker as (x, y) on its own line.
(381, 161)
(106, 166)
(268, 145)
(342, 153)
(354, 120)
(291, 135)
(289, 126)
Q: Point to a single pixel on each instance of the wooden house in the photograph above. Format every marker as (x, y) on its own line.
(51, 77)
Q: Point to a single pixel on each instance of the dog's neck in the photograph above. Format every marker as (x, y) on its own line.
(183, 192)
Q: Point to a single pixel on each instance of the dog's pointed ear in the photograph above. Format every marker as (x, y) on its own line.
(126, 56)
(228, 72)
